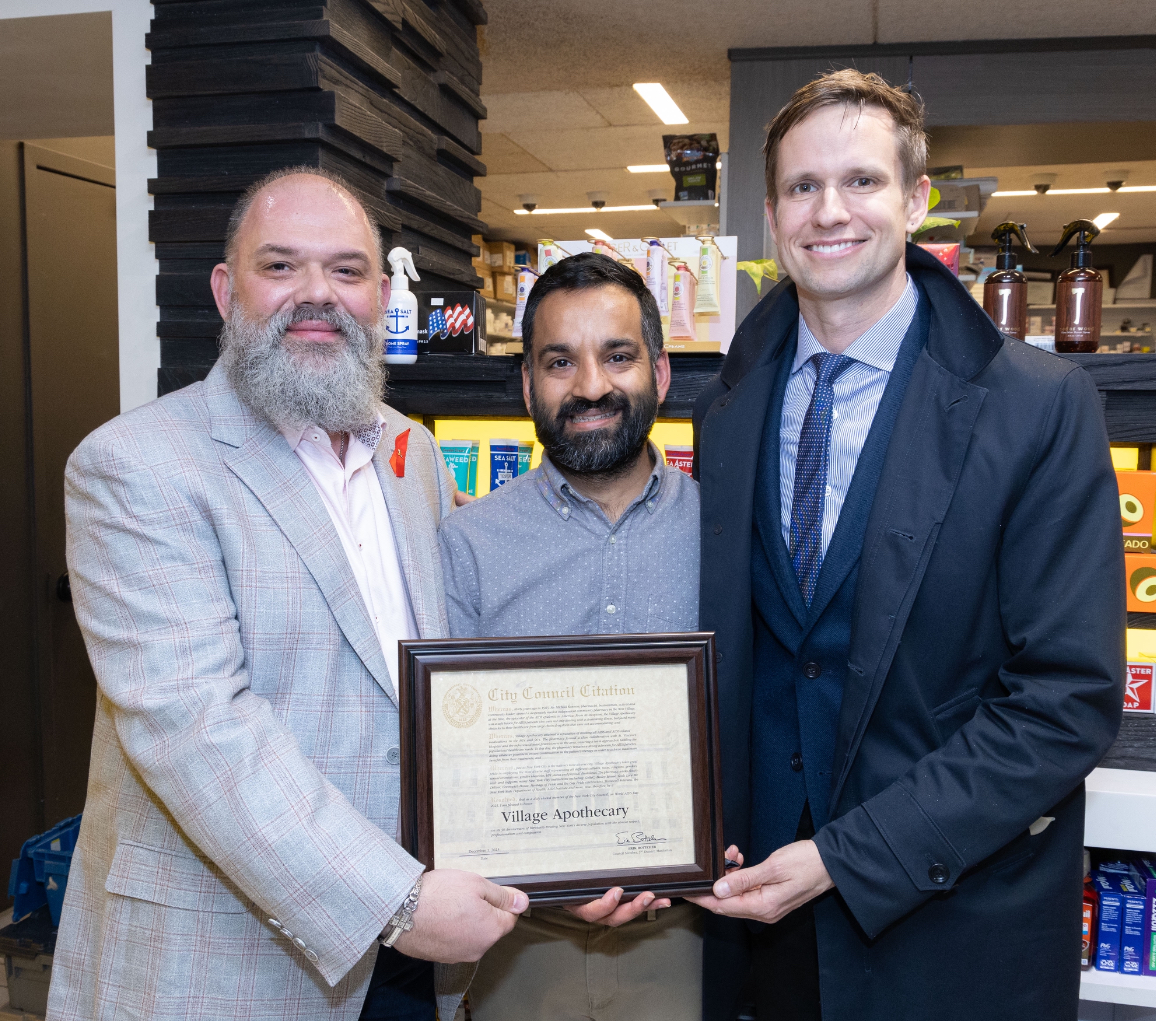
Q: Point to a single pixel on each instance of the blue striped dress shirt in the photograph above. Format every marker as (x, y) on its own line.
(858, 390)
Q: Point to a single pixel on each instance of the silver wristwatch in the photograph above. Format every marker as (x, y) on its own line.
(402, 920)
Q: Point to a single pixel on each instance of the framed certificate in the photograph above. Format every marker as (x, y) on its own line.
(564, 766)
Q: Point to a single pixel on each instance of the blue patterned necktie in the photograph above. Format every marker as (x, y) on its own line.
(811, 474)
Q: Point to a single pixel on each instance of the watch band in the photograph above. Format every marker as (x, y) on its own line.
(402, 920)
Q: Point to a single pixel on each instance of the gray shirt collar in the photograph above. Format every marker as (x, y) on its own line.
(558, 492)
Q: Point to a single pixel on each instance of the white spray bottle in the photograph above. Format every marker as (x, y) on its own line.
(401, 312)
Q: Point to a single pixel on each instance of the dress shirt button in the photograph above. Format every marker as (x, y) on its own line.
(612, 608)
(613, 540)
(938, 873)
(797, 762)
(565, 511)
(310, 956)
(650, 504)
(393, 755)
(299, 943)
(811, 670)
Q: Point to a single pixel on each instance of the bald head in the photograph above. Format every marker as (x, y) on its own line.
(276, 193)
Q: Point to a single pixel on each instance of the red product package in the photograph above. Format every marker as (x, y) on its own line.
(947, 254)
(1088, 936)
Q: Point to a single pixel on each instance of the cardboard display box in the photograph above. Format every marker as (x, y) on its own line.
(451, 322)
(1137, 502)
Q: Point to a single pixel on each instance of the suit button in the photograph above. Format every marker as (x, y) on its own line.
(797, 762)
(299, 942)
(393, 755)
(811, 670)
(938, 874)
(718, 529)
(310, 956)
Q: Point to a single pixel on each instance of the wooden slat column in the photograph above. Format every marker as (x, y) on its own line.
(384, 92)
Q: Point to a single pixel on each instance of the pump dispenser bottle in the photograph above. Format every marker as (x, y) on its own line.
(1005, 292)
(1079, 292)
(401, 312)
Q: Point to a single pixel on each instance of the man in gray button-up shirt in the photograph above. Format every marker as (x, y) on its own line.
(601, 538)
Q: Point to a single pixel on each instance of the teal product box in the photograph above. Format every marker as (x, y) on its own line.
(1121, 896)
(1108, 934)
(475, 446)
(525, 455)
(457, 456)
(503, 462)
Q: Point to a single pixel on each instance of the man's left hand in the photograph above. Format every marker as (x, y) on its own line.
(461, 499)
(789, 878)
(609, 909)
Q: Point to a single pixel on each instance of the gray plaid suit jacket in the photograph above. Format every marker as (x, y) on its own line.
(237, 857)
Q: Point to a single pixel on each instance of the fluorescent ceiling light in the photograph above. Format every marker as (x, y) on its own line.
(1010, 194)
(1140, 187)
(1104, 219)
(658, 99)
(1071, 191)
(594, 232)
(659, 168)
(586, 209)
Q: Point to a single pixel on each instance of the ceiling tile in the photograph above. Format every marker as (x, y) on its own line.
(502, 156)
(527, 111)
(609, 148)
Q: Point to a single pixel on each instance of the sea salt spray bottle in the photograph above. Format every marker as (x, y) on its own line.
(401, 312)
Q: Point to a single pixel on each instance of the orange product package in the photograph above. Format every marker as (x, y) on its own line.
(1137, 503)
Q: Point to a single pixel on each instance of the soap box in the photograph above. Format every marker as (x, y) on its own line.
(452, 322)
(1137, 500)
(1140, 571)
(1120, 946)
(1138, 687)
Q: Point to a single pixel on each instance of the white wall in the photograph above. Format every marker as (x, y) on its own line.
(135, 164)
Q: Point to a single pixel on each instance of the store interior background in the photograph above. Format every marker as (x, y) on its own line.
(1016, 89)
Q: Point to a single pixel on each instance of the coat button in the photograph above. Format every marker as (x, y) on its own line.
(718, 529)
(393, 755)
(811, 670)
(299, 943)
(938, 874)
(797, 762)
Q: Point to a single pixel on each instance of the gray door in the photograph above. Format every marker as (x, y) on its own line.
(73, 387)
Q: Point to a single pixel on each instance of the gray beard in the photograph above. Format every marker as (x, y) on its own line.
(338, 389)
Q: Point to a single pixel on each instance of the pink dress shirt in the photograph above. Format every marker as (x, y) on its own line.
(352, 495)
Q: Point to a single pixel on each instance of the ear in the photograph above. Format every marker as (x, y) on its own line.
(917, 204)
(385, 292)
(769, 209)
(526, 384)
(662, 375)
(222, 288)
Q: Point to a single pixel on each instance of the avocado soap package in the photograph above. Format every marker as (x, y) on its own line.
(451, 322)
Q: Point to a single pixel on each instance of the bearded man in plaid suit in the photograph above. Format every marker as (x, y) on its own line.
(245, 555)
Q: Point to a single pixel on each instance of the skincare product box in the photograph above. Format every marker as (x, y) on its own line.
(1120, 945)
(1137, 500)
(452, 322)
(1108, 934)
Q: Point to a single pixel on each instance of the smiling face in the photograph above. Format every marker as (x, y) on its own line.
(842, 213)
(302, 298)
(590, 385)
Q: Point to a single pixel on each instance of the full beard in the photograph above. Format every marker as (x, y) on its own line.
(602, 453)
(336, 387)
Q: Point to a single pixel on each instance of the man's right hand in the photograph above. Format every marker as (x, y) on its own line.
(460, 916)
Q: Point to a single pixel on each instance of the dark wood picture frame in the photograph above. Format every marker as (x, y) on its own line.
(696, 650)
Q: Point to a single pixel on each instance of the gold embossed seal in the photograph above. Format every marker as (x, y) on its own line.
(462, 705)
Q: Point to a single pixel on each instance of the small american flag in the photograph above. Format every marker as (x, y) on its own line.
(437, 324)
(460, 320)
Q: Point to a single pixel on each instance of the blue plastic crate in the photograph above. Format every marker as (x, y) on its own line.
(40, 875)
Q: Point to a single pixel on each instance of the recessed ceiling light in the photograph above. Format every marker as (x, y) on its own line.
(658, 99)
(1104, 219)
(585, 209)
(594, 232)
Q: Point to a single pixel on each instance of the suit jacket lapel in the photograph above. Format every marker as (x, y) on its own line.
(415, 534)
(275, 475)
(922, 467)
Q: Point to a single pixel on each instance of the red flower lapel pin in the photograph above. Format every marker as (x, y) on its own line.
(397, 458)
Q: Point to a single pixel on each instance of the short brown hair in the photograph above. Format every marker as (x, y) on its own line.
(241, 209)
(853, 88)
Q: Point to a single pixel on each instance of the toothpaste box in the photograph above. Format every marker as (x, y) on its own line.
(1137, 502)
(1108, 936)
(1146, 874)
(1121, 941)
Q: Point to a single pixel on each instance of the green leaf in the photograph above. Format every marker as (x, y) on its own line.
(759, 268)
(931, 222)
(933, 198)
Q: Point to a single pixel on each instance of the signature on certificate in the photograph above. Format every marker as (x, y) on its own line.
(638, 837)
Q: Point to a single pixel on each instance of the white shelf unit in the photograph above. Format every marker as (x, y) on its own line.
(1120, 812)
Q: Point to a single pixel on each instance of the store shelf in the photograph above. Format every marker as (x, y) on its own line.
(1112, 987)
(1120, 811)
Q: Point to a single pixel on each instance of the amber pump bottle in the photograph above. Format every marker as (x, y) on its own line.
(1005, 292)
(1079, 292)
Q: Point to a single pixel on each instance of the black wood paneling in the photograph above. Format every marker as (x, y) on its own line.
(383, 92)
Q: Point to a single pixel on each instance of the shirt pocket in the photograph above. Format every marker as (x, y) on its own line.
(670, 612)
